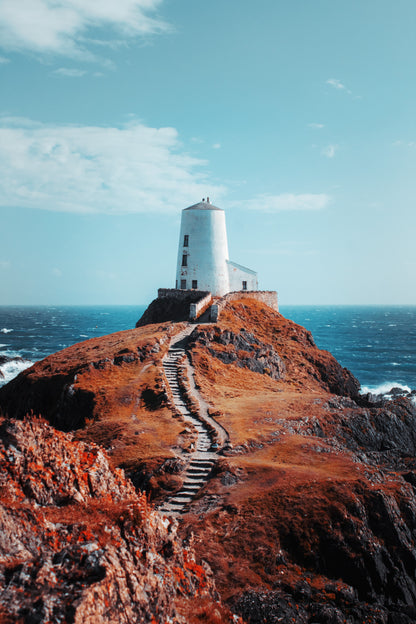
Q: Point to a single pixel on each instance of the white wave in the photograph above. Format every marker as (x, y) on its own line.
(12, 368)
(5, 330)
(384, 388)
(4, 345)
(83, 336)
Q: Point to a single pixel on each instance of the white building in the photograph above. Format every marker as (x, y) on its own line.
(203, 262)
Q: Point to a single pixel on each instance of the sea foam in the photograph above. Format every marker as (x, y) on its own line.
(5, 330)
(384, 388)
(12, 368)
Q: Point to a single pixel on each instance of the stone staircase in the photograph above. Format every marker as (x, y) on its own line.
(202, 461)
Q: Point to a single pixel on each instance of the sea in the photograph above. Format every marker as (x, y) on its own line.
(377, 344)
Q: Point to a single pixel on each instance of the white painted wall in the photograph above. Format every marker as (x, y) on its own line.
(207, 253)
(207, 250)
(238, 274)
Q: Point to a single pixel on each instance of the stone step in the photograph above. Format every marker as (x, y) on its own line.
(200, 463)
(175, 506)
(191, 486)
(196, 475)
(181, 501)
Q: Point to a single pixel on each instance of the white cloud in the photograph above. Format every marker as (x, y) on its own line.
(66, 26)
(4, 60)
(57, 272)
(70, 72)
(337, 84)
(404, 143)
(287, 201)
(4, 265)
(216, 146)
(91, 169)
(329, 151)
(318, 126)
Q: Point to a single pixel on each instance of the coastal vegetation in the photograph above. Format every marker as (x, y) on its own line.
(308, 514)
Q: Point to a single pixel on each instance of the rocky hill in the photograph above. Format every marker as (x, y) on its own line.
(78, 544)
(309, 515)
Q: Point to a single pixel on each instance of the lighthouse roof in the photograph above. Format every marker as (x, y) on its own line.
(203, 205)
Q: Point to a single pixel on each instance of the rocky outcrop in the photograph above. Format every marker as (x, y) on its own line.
(108, 390)
(334, 545)
(242, 349)
(174, 305)
(78, 544)
(307, 516)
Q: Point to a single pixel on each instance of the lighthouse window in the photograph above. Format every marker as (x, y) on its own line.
(184, 260)
(186, 240)
(183, 284)
(244, 285)
(194, 283)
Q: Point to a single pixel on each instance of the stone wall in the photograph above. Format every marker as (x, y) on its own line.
(176, 293)
(269, 297)
(199, 307)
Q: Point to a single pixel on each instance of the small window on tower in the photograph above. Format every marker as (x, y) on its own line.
(183, 284)
(186, 240)
(244, 285)
(194, 283)
(184, 260)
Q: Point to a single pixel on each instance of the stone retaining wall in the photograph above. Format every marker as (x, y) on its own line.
(176, 293)
(269, 297)
(199, 307)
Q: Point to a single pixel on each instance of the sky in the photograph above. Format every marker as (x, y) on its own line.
(297, 117)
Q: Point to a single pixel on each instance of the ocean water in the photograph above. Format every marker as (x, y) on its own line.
(30, 333)
(377, 344)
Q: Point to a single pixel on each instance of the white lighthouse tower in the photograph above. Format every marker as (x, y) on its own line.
(203, 262)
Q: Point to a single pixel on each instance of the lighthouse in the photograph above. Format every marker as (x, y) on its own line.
(203, 262)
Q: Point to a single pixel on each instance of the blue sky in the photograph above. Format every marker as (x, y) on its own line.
(298, 118)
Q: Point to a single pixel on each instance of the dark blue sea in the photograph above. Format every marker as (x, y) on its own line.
(377, 344)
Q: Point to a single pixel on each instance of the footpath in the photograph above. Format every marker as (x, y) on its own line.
(206, 450)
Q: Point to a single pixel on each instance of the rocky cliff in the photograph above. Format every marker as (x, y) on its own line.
(78, 544)
(309, 515)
